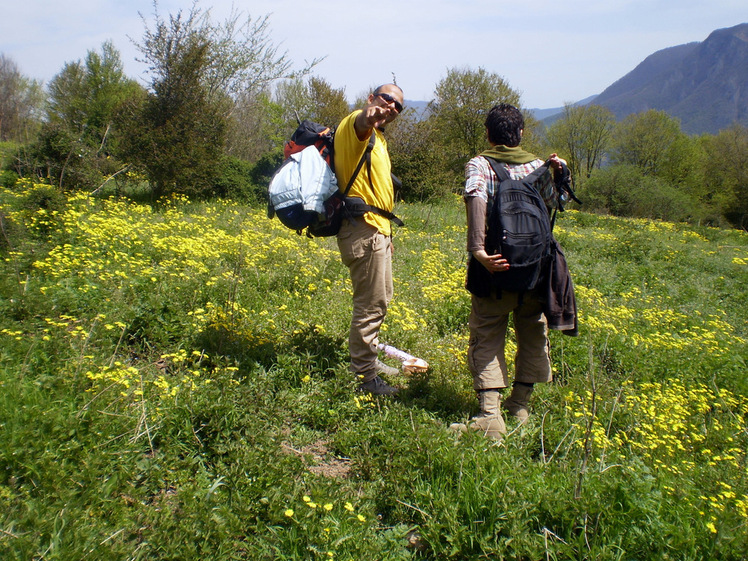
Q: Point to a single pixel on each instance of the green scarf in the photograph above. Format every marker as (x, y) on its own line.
(509, 154)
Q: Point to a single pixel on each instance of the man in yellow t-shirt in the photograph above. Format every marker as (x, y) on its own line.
(365, 242)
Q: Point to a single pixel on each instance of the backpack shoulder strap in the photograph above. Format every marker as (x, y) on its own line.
(365, 158)
(361, 207)
(503, 174)
(498, 168)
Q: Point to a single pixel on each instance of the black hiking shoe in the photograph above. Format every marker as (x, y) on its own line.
(377, 386)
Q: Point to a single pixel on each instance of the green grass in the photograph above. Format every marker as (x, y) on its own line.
(174, 385)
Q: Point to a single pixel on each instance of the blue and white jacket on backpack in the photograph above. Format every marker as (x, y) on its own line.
(305, 178)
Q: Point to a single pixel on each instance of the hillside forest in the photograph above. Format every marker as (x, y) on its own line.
(220, 100)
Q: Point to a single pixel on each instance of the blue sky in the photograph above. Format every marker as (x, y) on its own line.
(552, 52)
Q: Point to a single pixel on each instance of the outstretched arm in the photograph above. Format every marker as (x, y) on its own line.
(372, 116)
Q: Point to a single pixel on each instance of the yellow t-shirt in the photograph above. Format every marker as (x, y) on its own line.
(348, 152)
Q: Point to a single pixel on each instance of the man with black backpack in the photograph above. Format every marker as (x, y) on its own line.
(365, 236)
(507, 266)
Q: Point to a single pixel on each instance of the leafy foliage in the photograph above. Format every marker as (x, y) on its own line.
(21, 100)
(645, 140)
(313, 99)
(727, 175)
(178, 131)
(624, 190)
(419, 159)
(84, 98)
(236, 181)
(76, 146)
(256, 127)
(460, 103)
(582, 137)
(198, 69)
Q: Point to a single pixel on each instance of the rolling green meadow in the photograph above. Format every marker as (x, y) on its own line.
(174, 386)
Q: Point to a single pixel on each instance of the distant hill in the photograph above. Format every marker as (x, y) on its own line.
(420, 107)
(548, 116)
(705, 85)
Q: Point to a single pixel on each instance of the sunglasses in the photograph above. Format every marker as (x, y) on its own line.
(389, 99)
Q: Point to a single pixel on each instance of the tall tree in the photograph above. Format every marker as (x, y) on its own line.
(726, 173)
(314, 99)
(177, 134)
(67, 97)
(461, 101)
(198, 71)
(262, 121)
(256, 127)
(646, 140)
(420, 160)
(21, 100)
(84, 97)
(75, 145)
(582, 136)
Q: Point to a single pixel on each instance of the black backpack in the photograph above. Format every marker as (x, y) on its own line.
(519, 228)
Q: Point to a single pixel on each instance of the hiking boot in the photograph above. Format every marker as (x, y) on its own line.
(377, 386)
(517, 404)
(382, 368)
(489, 421)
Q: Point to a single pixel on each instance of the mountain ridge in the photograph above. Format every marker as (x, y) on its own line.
(703, 84)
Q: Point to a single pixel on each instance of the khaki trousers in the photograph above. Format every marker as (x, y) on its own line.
(367, 254)
(488, 322)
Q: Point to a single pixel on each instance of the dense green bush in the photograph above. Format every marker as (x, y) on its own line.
(8, 178)
(420, 161)
(625, 190)
(234, 181)
(60, 157)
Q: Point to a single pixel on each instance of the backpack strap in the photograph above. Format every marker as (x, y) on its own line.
(503, 175)
(353, 207)
(365, 158)
(498, 168)
(356, 207)
(501, 172)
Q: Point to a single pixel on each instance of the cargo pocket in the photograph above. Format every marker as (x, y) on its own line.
(353, 243)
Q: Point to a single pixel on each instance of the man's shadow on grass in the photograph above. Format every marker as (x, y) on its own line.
(313, 352)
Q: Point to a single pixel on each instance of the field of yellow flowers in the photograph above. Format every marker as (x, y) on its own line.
(174, 385)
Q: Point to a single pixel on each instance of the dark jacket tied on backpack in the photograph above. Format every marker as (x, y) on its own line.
(560, 307)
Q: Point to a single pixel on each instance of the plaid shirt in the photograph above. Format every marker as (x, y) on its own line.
(481, 181)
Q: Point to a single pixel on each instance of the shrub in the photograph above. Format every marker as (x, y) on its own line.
(263, 171)
(236, 181)
(625, 190)
(8, 178)
(420, 163)
(233, 179)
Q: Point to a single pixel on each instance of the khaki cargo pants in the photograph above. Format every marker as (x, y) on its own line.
(367, 254)
(488, 322)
